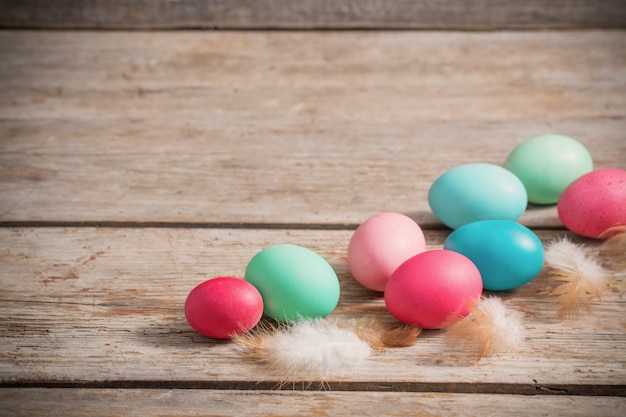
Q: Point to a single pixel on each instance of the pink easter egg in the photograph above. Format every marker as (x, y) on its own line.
(223, 307)
(595, 203)
(380, 244)
(433, 289)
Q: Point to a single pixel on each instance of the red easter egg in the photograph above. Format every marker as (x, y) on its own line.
(223, 307)
(433, 289)
(595, 203)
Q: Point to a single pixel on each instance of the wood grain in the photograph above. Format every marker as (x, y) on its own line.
(105, 305)
(139, 402)
(311, 14)
(135, 165)
(233, 128)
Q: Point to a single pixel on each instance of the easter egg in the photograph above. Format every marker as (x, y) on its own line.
(506, 253)
(223, 307)
(547, 164)
(295, 282)
(595, 204)
(380, 244)
(433, 289)
(477, 191)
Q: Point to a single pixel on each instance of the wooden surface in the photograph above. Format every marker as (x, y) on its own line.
(234, 128)
(160, 402)
(308, 14)
(134, 165)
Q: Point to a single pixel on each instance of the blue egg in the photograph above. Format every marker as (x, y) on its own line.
(506, 253)
(473, 192)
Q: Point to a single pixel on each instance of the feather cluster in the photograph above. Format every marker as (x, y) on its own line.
(490, 327)
(579, 276)
(318, 349)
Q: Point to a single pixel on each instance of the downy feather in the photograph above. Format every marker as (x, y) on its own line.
(578, 274)
(306, 350)
(490, 327)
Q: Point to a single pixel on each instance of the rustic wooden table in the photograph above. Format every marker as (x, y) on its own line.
(134, 165)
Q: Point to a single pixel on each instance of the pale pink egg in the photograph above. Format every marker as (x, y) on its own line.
(380, 245)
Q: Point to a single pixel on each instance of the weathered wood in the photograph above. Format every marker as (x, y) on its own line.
(286, 144)
(309, 14)
(254, 128)
(95, 305)
(139, 402)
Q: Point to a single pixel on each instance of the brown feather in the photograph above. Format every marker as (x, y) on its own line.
(381, 335)
(573, 291)
(401, 336)
(474, 332)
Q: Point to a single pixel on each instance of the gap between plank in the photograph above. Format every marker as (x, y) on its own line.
(208, 225)
(176, 225)
(417, 387)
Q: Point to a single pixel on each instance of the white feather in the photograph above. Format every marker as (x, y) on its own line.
(311, 350)
(491, 326)
(578, 273)
(509, 331)
(567, 256)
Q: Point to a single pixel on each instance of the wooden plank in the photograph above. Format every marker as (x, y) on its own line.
(250, 127)
(107, 402)
(105, 306)
(309, 14)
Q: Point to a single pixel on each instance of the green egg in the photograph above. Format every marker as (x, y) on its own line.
(547, 164)
(295, 282)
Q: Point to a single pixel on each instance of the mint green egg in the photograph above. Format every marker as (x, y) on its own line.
(547, 164)
(295, 282)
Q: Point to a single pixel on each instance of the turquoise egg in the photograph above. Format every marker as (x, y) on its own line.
(507, 254)
(295, 282)
(479, 191)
